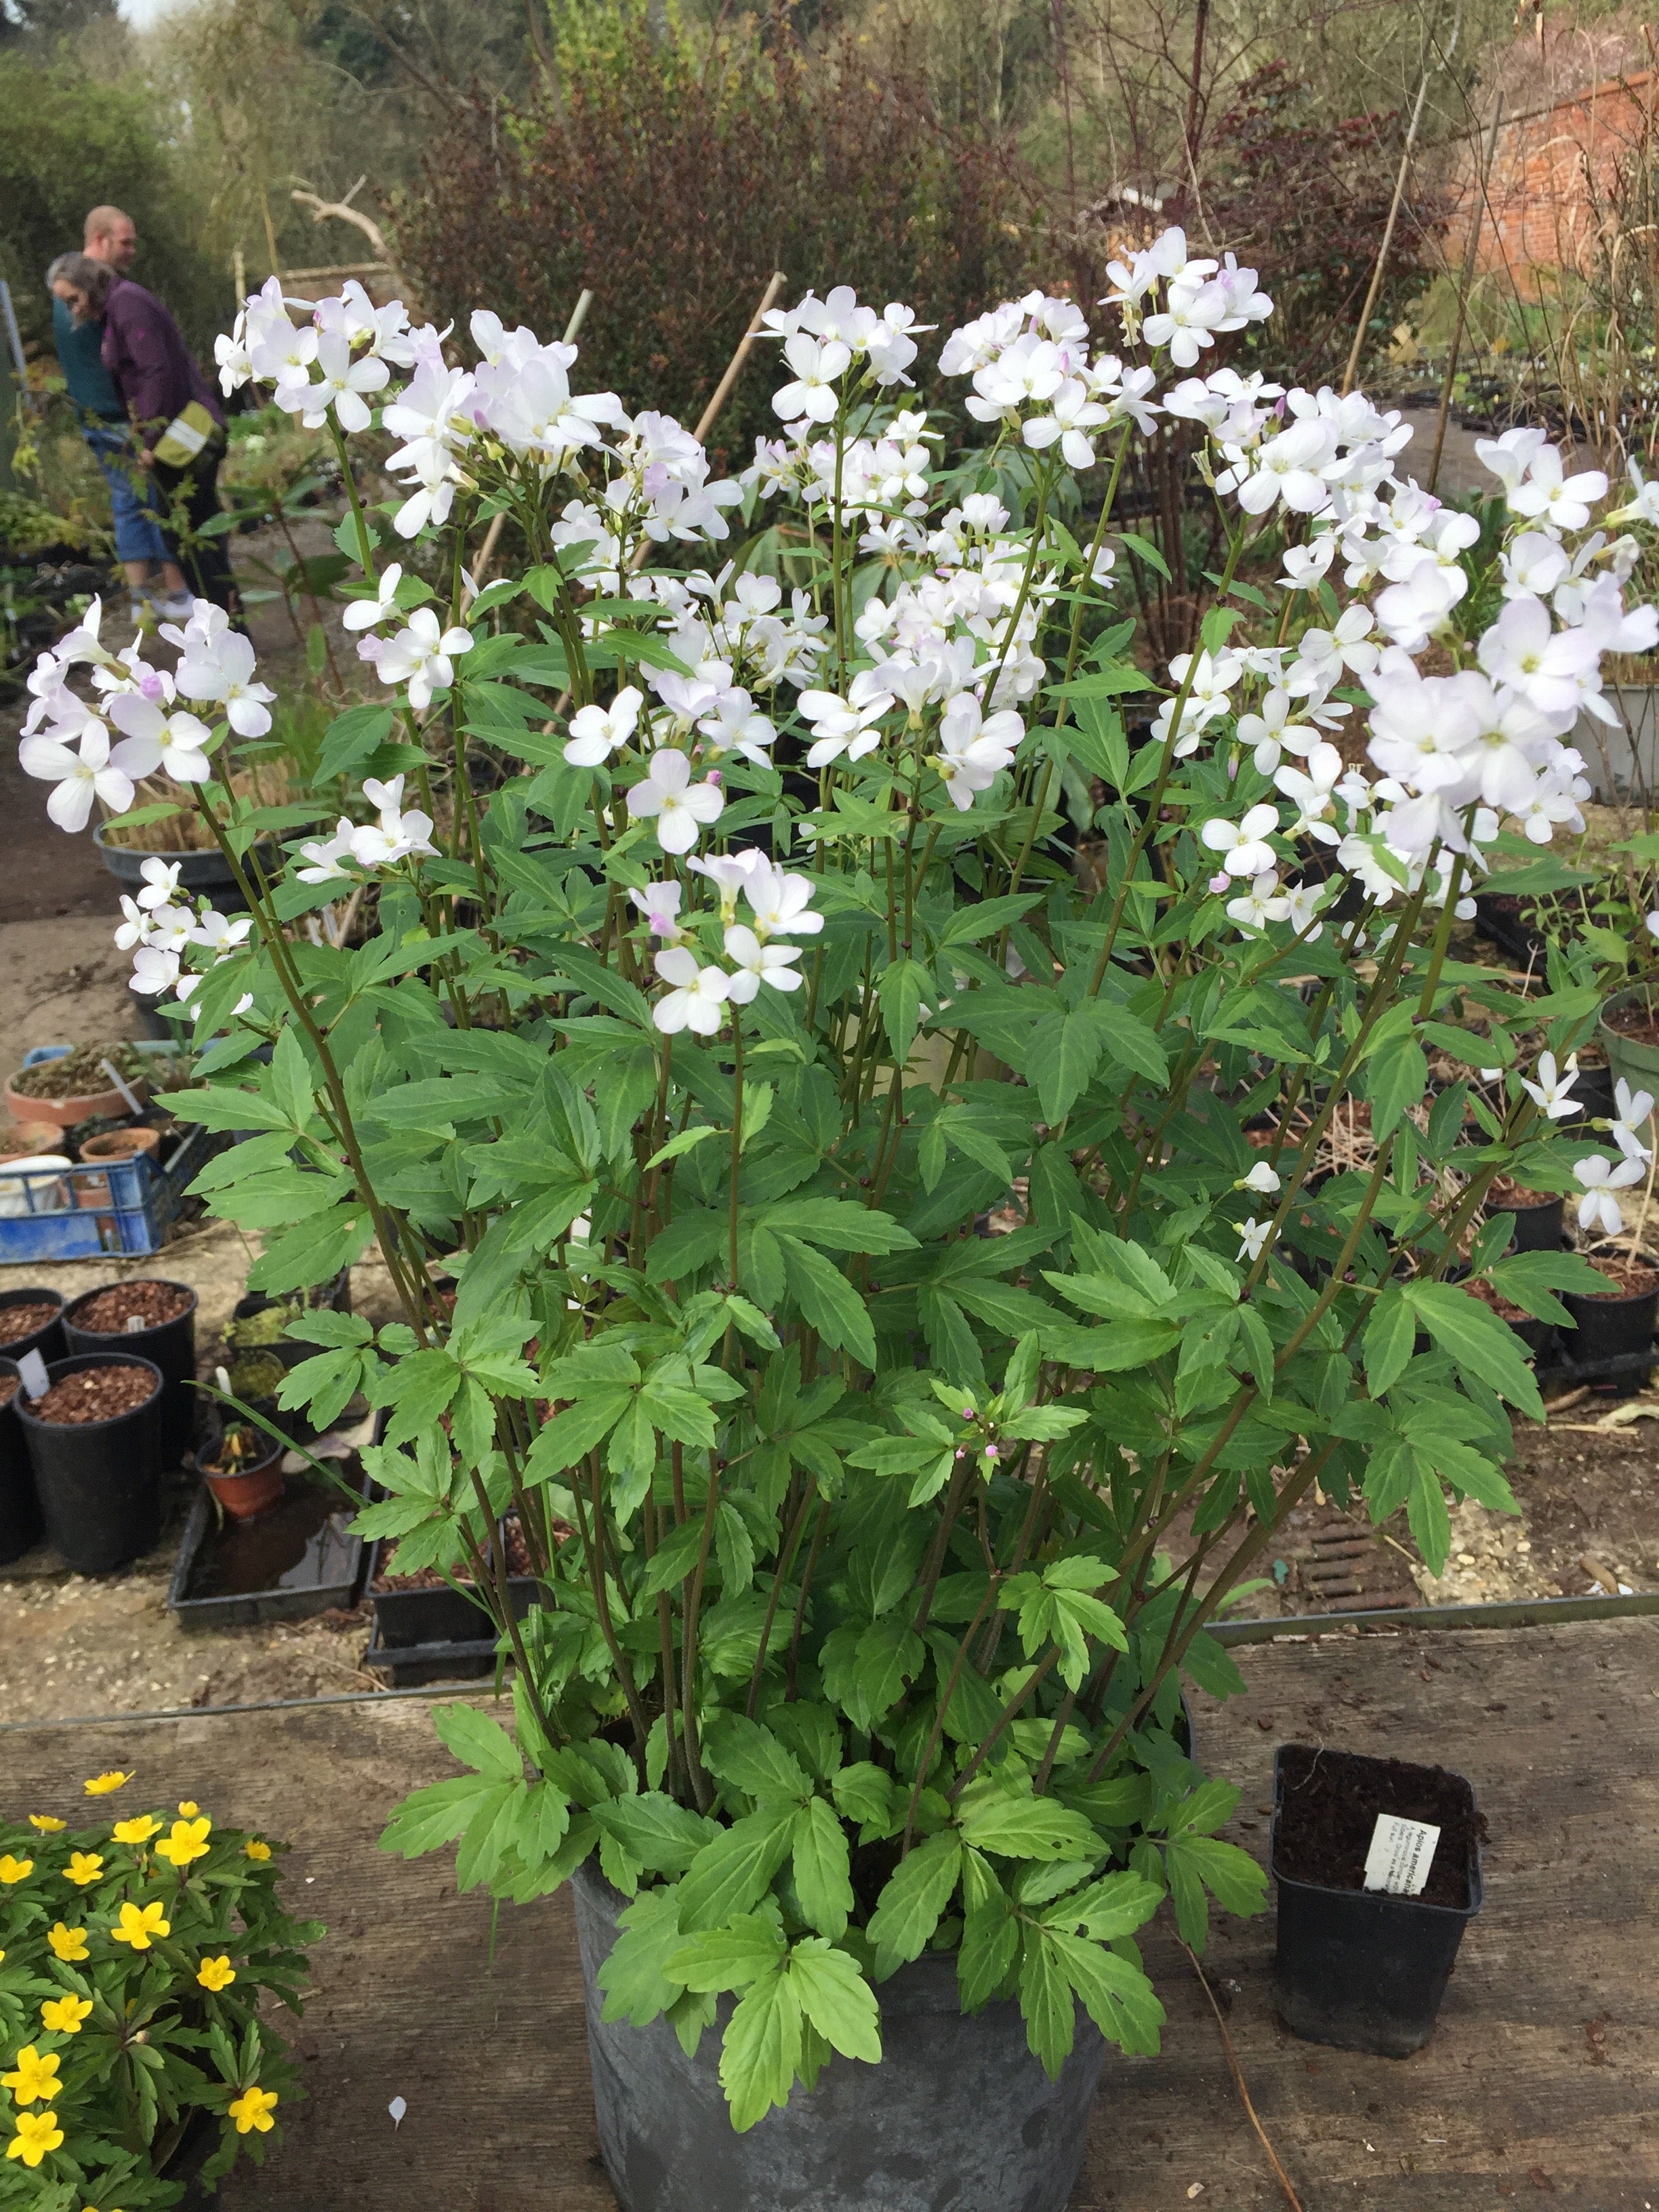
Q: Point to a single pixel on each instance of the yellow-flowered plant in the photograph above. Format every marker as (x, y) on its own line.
(134, 1960)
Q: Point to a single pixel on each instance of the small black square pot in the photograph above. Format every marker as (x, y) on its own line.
(171, 1346)
(20, 1508)
(47, 1342)
(1609, 1328)
(98, 1482)
(1537, 1227)
(1359, 1968)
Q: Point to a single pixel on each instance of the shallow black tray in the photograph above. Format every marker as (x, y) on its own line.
(412, 1666)
(297, 1560)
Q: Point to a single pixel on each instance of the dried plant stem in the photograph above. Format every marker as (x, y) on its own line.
(1237, 2071)
(1376, 284)
(1464, 283)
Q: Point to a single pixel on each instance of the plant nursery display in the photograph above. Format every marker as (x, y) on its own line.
(139, 1955)
(781, 884)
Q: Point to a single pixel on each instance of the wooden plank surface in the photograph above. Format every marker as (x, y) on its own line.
(1541, 2084)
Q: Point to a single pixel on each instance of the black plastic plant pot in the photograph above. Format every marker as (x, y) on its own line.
(20, 1508)
(98, 1482)
(47, 1340)
(170, 1345)
(334, 1296)
(1363, 1969)
(404, 1618)
(1610, 1329)
(957, 2112)
(1538, 1220)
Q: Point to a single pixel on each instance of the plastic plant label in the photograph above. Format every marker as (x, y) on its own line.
(135, 1323)
(1400, 1855)
(32, 1370)
(397, 2107)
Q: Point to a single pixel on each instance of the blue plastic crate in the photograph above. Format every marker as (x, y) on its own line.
(77, 1213)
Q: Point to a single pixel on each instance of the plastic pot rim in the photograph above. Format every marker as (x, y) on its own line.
(77, 1363)
(125, 1335)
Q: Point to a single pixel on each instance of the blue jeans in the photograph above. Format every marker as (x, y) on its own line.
(132, 495)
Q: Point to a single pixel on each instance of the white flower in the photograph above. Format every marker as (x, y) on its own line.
(758, 964)
(1252, 1235)
(1546, 666)
(780, 903)
(341, 384)
(731, 873)
(225, 673)
(1631, 1116)
(1644, 507)
(326, 858)
(1244, 848)
(1254, 908)
(1552, 1093)
(817, 363)
(1557, 498)
(975, 748)
(1510, 457)
(598, 731)
(91, 770)
(173, 743)
(696, 1002)
(396, 835)
(135, 930)
(154, 970)
(420, 655)
(845, 725)
(221, 933)
(660, 905)
(680, 808)
(161, 881)
(1261, 1177)
(368, 614)
(1601, 1179)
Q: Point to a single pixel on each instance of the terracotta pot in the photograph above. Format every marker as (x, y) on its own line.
(255, 1490)
(66, 1112)
(121, 1144)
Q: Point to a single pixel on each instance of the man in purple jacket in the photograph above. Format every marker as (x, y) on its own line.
(162, 390)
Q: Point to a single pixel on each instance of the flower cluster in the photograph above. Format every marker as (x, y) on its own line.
(698, 993)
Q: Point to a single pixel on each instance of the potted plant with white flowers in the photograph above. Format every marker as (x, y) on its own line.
(728, 967)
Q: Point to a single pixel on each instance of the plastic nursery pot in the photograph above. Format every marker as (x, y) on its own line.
(1632, 1052)
(1538, 1217)
(251, 1331)
(66, 1112)
(44, 1334)
(98, 1482)
(253, 1485)
(20, 1508)
(1533, 1333)
(171, 1344)
(121, 1144)
(1624, 1321)
(957, 2112)
(198, 872)
(1363, 1969)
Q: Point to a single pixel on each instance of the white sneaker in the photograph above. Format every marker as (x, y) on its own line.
(177, 609)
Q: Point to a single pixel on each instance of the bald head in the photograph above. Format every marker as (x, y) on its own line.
(111, 236)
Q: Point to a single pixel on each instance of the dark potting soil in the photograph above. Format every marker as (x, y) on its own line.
(1504, 1196)
(1329, 1811)
(518, 1562)
(23, 1321)
(1500, 1305)
(8, 1389)
(96, 1393)
(1637, 1023)
(106, 1313)
(1632, 1279)
(78, 1074)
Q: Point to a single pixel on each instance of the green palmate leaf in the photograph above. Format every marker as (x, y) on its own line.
(1390, 1335)
(1046, 2000)
(655, 1831)
(902, 992)
(761, 2050)
(1482, 1345)
(823, 1877)
(729, 1958)
(837, 1999)
(1116, 1996)
(741, 1751)
(1023, 1827)
(478, 1741)
(635, 1977)
(990, 1945)
(911, 1904)
(734, 1868)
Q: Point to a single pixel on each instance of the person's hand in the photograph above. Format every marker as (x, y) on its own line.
(146, 459)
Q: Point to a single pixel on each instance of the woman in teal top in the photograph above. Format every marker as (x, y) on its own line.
(103, 419)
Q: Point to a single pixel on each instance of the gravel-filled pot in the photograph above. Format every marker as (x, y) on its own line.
(170, 1343)
(98, 1481)
(32, 1320)
(20, 1508)
(958, 2113)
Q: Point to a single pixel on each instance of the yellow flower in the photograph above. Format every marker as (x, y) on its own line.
(102, 1784)
(37, 2134)
(36, 2078)
(188, 1841)
(84, 1869)
(216, 1974)
(13, 1869)
(67, 1944)
(46, 1824)
(64, 2016)
(141, 1928)
(257, 1851)
(138, 1830)
(189, 1807)
(253, 2109)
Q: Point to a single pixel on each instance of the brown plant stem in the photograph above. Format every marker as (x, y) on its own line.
(1290, 2197)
